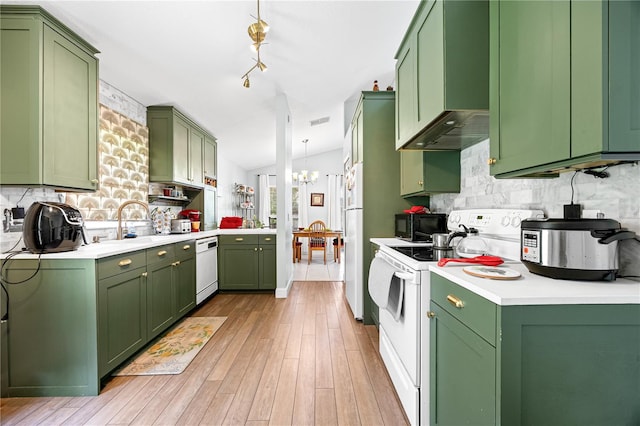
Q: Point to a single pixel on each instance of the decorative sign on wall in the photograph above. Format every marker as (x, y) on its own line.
(317, 199)
(123, 169)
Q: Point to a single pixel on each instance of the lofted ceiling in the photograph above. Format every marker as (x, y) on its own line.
(192, 54)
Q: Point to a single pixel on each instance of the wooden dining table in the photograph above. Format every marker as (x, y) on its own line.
(328, 234)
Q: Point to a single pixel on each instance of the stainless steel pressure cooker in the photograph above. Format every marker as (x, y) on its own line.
(572, 249)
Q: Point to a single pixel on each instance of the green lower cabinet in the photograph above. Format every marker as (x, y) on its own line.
(247, 262)
(49, 340)
(462, 372)
(88, 316)
(122, 317)
(539, 365)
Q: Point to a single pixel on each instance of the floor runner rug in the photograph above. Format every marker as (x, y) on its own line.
(175, 350)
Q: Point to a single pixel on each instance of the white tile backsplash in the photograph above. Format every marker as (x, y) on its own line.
(617, 196)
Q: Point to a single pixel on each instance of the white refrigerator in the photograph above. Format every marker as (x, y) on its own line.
(353, 245)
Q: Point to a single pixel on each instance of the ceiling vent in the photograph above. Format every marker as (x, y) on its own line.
(319, 121)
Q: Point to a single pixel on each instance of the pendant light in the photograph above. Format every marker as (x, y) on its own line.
(257, 32)
(304, 177)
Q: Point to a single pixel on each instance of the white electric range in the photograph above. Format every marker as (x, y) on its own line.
(404, 343)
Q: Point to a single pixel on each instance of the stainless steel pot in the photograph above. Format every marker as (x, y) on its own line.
(576, 249)
(443, 241)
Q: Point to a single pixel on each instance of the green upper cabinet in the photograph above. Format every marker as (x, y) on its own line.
(429, 172)
(357, 136)
(564, 79)
(443, 66)
(49, 107)
(210, 157)
(180, 151)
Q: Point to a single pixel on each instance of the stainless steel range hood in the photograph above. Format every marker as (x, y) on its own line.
(452, 130)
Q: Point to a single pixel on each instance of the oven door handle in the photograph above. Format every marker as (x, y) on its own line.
(407, 276)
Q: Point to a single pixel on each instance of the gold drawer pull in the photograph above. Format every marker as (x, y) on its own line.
(240, 239)
(186, 247)
(491, 161)
(175, 263)
(455, 301)
(162, 252)
(431, 314)
(268, 239)
(125, 262)
(144, 274)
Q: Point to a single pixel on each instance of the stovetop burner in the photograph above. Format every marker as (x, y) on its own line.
(424, 253)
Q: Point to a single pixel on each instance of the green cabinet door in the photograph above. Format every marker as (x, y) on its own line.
(161, 308)
(196, 157)
(463, 373)
(210, 157)
(181, 144)
(534, 68)
(429, 172)
(405, 110)
(267, 265)
(122, 316)
(185, 277)
(49, 113)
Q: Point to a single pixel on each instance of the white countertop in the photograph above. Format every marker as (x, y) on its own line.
(108, 248)
(528, 289)
(532, 289)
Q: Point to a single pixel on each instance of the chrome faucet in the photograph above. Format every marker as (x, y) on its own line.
(122, 206)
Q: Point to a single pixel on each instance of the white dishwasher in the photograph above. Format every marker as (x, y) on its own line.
(206, 268)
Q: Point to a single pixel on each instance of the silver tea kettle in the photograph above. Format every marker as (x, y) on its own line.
(443, 241)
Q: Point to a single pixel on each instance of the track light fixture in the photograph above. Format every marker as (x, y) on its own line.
(257, 31)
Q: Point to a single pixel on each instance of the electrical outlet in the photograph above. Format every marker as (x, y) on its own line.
(592, 214)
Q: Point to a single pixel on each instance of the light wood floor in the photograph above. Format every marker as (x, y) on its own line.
(302, 360)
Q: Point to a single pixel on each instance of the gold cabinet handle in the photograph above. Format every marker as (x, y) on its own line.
(491, 161)
(125, 262)
(186, 247)
(176, 263)
(431, 314)
(144, 274)
(255, 249)
(455, 301)
(267, 239)
(162, 252)
(240, 239)
(420, 182)
(94, 181)
(260, 248)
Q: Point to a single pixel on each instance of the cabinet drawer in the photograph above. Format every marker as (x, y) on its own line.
(472, 310)
(239, 239)
(267, 239)
(118, 264)
(160, 254)
(185, 249)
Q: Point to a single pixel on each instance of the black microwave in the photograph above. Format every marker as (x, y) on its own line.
(420, 226)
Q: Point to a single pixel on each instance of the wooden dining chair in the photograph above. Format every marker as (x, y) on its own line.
(317, 239)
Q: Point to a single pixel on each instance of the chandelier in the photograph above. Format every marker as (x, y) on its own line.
(304, 176)
(257, 31)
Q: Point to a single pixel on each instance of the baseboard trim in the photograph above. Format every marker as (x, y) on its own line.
(283, 293)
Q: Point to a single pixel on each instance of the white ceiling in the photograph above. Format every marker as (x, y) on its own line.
(192, 54)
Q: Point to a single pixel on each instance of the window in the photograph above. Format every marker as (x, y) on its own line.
(273, 194)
